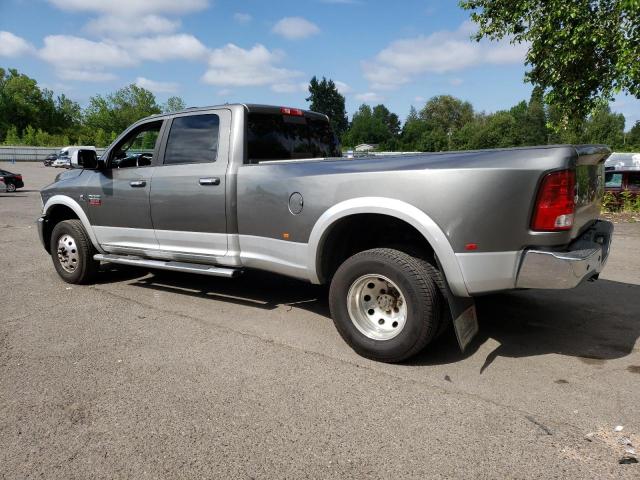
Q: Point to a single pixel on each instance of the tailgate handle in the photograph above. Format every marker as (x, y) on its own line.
(210, 181)
(138, 183)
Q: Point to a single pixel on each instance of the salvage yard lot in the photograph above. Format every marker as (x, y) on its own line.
(158, 375)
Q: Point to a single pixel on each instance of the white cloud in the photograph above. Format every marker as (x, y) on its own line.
(132, 7)
(65, 51)
(456, 82)
(301, 87)
(370, 97)
(166, 47)
(242, 18)
(441, 52)
(13, 46)
(293, 28)
(419, 99)
(85, 75)
(117, 26)
(79, 59)
(342, 87)
(157, 87)
(224, 92)
(233, 66)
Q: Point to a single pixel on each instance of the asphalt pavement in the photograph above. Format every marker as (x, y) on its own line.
(158, 375)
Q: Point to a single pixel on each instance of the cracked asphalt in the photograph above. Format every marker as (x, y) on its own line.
(158, 375)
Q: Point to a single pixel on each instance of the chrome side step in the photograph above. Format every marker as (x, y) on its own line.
(169, 265)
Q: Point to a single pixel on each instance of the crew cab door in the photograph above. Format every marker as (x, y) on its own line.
(117, 196)
(188, 204)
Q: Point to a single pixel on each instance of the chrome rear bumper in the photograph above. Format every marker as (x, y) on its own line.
(585, 259)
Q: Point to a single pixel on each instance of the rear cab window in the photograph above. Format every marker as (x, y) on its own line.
(633, 181)
(277, 136)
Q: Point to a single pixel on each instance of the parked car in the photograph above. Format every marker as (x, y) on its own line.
(622, 173)
(49, 159)
(13, 181)
(218, 190)
(61, 162)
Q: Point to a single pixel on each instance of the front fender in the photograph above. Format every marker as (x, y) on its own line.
(77, 209)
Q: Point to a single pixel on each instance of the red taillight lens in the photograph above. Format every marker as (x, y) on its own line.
(555, 204)
(296, 112)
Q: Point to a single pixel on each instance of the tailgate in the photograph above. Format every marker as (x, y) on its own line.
(589, 185)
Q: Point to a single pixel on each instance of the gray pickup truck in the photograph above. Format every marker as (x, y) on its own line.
(405, 242)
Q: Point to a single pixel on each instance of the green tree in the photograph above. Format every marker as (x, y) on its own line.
(579, 52)
(325, 98)
(29, 136)
(442, 115)
(604, 127)
(632, 140)
(367, 127)
(12, 137)
(174, 104)
(118, 110)
(412, 131)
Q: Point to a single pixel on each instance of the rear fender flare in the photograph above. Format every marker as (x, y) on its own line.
(394, 208)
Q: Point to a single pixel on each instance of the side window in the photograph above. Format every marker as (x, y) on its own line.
(633, 181)
(137, 148)
(193, 139)
(613, 180)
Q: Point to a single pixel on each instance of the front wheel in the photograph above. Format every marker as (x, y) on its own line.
(385, 304)
(72, 252)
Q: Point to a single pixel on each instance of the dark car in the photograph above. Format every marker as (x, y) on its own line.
(12, 180)
(49, 159)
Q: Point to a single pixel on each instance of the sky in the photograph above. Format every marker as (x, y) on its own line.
(208, 52)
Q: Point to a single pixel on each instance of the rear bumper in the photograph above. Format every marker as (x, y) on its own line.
(583, 260)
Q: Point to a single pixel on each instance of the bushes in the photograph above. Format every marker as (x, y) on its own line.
(626, 202)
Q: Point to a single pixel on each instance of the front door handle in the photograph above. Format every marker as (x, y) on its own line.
(210, 181)
(138, 183)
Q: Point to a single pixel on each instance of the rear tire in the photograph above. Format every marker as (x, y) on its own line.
(385, 304)
(11, 187)
(72, 252)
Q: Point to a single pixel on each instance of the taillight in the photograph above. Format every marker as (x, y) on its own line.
(555, 204)
(296, 112)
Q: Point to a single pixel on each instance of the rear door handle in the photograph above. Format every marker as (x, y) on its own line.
(138, 183)
(210, 181)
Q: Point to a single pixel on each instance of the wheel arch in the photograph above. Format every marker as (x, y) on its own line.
(397, 209)
(62, 207)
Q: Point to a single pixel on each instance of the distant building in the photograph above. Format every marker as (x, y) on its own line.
(366, 147)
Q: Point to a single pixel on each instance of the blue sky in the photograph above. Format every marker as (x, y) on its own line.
(214, 51)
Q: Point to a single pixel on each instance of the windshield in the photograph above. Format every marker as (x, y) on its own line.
(272, 136)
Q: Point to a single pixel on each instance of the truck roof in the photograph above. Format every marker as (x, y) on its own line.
(250, 107)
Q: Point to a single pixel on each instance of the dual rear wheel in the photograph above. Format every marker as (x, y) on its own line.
(386, 304)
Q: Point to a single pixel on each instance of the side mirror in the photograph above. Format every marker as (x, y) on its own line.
(84, 159)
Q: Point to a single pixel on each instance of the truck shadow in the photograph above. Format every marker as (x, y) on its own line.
(596, 322)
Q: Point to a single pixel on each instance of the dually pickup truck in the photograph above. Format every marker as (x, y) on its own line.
(404, 241)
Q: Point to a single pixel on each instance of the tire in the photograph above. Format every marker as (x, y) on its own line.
(400, 291)
(11, 187)
(75, 264)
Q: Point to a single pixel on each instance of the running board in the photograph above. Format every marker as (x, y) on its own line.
(169, 265)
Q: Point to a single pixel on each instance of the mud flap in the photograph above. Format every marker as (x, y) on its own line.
(463, 313)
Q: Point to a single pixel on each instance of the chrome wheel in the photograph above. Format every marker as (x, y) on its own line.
(68, 253)
(11, 187)
(377, 307)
